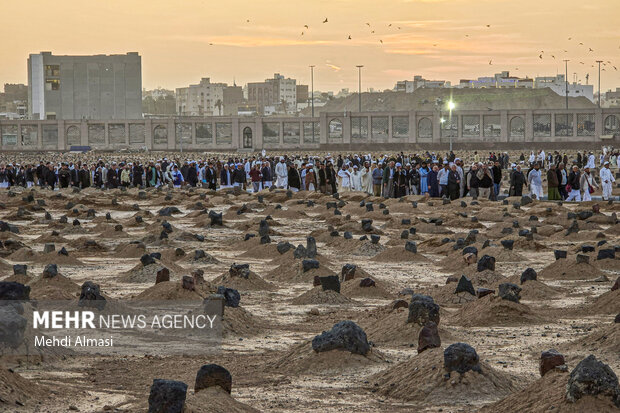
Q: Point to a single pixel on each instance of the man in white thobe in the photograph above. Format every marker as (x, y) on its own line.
(281, 174)
(607, 178)
(356, 179)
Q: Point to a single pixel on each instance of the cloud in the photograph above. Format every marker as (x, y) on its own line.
(248, 41)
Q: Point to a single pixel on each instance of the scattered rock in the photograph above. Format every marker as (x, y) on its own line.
(461, 357)
(423, 309)
(592, 377)
(528, 275)
(510, 292)
(211, 375)
(91, 296)
(486, 263)
(465, 285)
(428, 337)
(167, 396)
(345, 335)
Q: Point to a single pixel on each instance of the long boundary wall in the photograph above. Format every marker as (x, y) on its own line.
(347, 131)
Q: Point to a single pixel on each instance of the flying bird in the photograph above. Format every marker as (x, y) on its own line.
(306, 26)
(553, 56)
(302, 33)
(488, 25)
(570, 38)
(615, 68)
(540, 57)
(372, 31)
(581, 63)
(381, 41)
(490, 62)
(390, 25)
(368, 24)
(398, 27)
(325, 21)
(580, 44)
(248, 20)
(590, 49)
(349, 37)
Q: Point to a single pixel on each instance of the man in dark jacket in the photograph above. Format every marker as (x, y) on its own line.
(497, 179)
(574, 179)
(84, 176)
(50, 176)
(562, 180)
(330, 177)
(294, 182)
(553, 194)
(211, 176)
(113, 178)
(517, 180)
(138, 170)
(454, 183)
(64, 176)
(192, 175)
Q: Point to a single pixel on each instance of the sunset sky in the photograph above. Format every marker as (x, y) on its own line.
(181, 41)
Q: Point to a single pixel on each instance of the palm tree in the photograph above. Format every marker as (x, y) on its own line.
(283, 103)
(218, 105)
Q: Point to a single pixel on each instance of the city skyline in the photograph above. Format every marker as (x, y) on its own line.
(249, 42)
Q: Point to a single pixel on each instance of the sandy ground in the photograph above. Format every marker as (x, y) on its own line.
(560, 313)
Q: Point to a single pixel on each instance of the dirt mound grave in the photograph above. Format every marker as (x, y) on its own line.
(421, 379)
(494, 311)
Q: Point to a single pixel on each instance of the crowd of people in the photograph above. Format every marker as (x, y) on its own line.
(391, 176)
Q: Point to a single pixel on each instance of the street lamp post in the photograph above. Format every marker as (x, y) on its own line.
(566, 81)
(312, 97)
(359, 77)
(451, 106)
(599, 82)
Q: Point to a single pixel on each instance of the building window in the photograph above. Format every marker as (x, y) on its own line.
(52, 70)
(52, 84)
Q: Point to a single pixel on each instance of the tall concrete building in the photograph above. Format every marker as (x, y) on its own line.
(203, 99)
(85, 87)
(233, 98)
(278, 92)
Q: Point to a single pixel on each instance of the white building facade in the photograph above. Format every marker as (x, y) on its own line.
(203, 99)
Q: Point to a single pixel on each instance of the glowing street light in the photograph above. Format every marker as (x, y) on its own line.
(451, 105)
